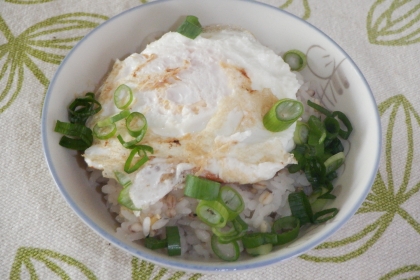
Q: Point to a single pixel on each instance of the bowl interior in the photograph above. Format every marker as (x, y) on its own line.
(339, 83)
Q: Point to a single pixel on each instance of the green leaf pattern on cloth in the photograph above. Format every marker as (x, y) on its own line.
(47, 41)
(386, 197)
(28, 1)
(25, 258)
(394, 23)
(301, 5)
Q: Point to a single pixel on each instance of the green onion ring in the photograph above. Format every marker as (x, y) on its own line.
(113, 119)
(141, 151)
(212, 213)
(123, 96)
(105, 132)
(260, 250)
(282, 114)
(122, 179)
(334, 162)
(201, 188)
(190, 28)
(174, 241)
(319, 108)
(332, 127)
(154, 243)
(300, 207)
(227, 252)
(300, 135)
(136, 123)
(296, 59)
(342, 117)
(327, 214)
(83, 137)
(232, 201)
(124, 199)
(286, 228)
(82, 108)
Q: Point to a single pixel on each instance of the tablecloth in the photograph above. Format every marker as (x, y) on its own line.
(41, 237)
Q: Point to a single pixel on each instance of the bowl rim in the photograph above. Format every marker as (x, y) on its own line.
(188, 265)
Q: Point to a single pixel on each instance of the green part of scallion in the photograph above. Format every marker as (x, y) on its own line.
(282, 114)
(296, 60)
(315, 172)
(345, 134)
(324, 215)
(300, 135)
(317, 132)
(113, 119)
(239, 224)
(252, 240)
(286, 228)
(104, 132)
(81, 137)
(201, 188)
(123, 96)
(82, 108)
(190, 28)
(260, 250)
(122, 179)
(136, 123)
(300, 207)
(227, 231)
(227, 252)
(174, 241)
(319, 108)
(133, 143)
(232, 200)
(124, 199)
(334, 162)
(240, 230)
(332, 127)
(154, 243)
(212, 213)
(139, 150)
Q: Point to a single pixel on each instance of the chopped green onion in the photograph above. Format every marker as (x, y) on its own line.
(227, 252)
(232, 200)
(301, 133)
(300, 207)
(270, 238)
(136, 123)
(212, 213)
(82, 108)
(253, 240)
(227, 231)
(122, 179)
(332, 127)
(124, 199)
(154, 243)
(325, 215)
(141, 151)
(123, 96)
(174, 241)
(104, 132)
(240, 229)
(317, 132)
(319, 108)
(334, 162)
(113, 119)
(286, 228)
(200, 188)
(190, 28)
(260, 250)
(315, 172)
(239, 224)
(335, 146)
(343, 133)
(282, 115)
(82, 135)
(131, 144)
(296, 59)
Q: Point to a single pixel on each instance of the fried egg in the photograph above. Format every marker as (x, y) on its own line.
(204, 100)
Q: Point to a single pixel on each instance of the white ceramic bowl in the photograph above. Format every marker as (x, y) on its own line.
(339, 84)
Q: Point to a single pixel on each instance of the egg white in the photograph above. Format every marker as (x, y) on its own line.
(204, 100)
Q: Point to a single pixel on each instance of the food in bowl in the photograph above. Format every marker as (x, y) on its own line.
(193, 136)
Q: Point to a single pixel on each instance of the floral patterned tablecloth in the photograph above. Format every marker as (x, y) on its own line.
(41, 237)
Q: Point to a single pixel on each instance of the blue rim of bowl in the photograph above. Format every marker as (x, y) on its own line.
(187, 264)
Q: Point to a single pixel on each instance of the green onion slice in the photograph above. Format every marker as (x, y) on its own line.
(317, 132)
(325, 215)
(315, 172)
(335, 146)
(212, 213)
(190, 28)
(140, 150)
(154, 243)
(104, 132)
(122, 179)
(83, 107)
(334, 162)
(296, 59)
(124, 199)
(332, 127)
(253, 240)
(286, 228)
(227, 231)
(227, 252)
(300, 135)
(136, 123)
(123, 96)
(232, 200)
(344, 133)
(260, 250)
(239, 224)
(200, 188)
(174, 241)
(240, 230)
(82, 135)
(300, 207)
(113, 119)
(319, 108)
(282, 115)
